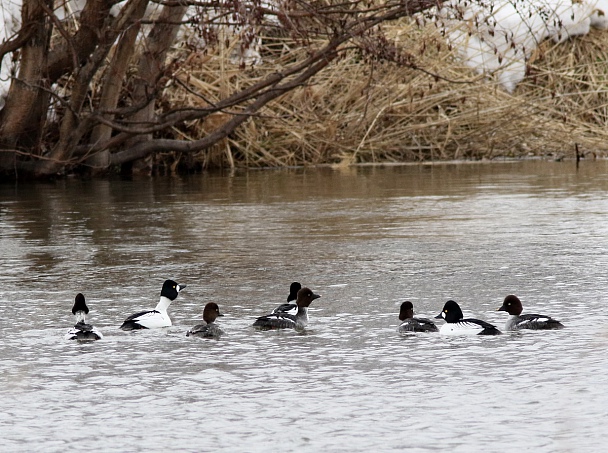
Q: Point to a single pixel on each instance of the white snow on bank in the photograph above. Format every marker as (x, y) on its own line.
(499, 36)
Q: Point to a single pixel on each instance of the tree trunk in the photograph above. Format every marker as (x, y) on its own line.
(152, 65)
(75, 50)
(72, 127)
(112, 84)
(21, 119)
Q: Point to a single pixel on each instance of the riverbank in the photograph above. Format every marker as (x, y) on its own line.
(357, 113)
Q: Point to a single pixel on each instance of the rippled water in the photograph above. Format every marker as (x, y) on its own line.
(366, 239)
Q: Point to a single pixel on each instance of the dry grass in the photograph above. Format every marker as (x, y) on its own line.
(355, 112)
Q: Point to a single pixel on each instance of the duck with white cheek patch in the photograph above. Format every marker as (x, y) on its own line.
(154, 319)
(457, 324)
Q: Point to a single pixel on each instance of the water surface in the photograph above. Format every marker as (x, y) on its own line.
(366, 239)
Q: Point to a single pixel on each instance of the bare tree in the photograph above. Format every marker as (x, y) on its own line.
(58, 65)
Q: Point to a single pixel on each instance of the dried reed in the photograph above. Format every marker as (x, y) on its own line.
(356, 112)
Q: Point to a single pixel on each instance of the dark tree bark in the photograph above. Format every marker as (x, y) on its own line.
(152, 66)
(20, 118)
(74, 49)
(112, 84)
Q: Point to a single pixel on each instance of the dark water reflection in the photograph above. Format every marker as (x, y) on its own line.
(365, 239)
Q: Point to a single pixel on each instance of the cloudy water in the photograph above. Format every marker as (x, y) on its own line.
(365, 239)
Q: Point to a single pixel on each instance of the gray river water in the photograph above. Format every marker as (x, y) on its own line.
(366, 239)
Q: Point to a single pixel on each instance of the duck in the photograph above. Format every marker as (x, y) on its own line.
(516, 320)
(456, 324)
(285, 320)
(81, 330)
(290, 307)
(152, 319)
(411, 324)
(210, 329)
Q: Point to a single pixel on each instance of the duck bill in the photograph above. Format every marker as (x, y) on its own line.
(180, 287)
(501, 308)
(315, 296)
(439, 316)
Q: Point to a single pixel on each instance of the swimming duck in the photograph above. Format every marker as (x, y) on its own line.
(516, 320)
(455, 324)
(81, 330)
(290, 307)
(285, 320)
(411, 324)
(210, 329)
(151, 319)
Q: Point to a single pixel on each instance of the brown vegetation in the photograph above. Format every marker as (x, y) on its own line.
(349, 85)
(374, 112)
(103, 90)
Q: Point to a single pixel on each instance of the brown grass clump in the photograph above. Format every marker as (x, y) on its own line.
(355, 112)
